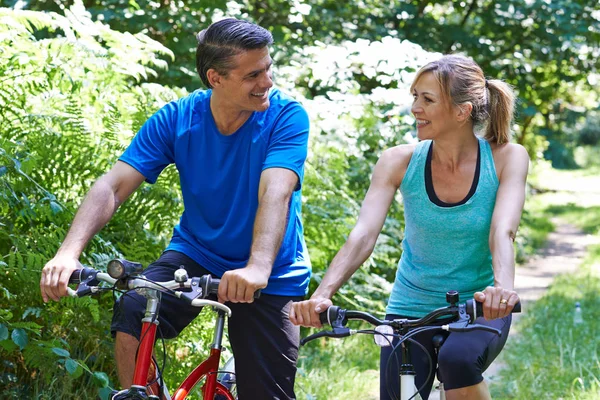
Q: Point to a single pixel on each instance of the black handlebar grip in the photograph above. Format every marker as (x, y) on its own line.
(331, 314)
(80, 275)
(212, 286)
(323, 317)
(479, 308)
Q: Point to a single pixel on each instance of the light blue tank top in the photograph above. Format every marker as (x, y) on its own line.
(444, 247)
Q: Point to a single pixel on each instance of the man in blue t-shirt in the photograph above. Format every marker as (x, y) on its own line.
(240, 149)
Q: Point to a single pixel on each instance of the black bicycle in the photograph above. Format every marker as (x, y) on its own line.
(457, 317)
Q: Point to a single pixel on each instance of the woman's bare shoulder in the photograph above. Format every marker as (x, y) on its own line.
(510, 154)
(398, 155)
(394, 161)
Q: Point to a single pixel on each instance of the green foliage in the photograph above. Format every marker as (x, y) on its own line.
(586, 218)
(533, 231)
(339, 369)
(69, 104)
(588, 157)
(551, 356)
(546, 49)
(589, 134)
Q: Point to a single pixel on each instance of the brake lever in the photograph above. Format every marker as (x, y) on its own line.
(335, 333)
(85, 287)
(460, 326)
(197, 291)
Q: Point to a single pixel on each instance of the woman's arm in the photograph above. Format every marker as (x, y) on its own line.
(514, 162)
(387, 176)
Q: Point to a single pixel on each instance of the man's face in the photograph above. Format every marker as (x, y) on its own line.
(246, 86)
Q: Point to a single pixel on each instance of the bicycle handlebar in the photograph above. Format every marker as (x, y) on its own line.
(336, 316)
(464, 315)
(126, 275)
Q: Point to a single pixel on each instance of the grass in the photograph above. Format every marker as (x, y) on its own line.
(552, 358)
(533, 230)
(586, 218)
(339, 369)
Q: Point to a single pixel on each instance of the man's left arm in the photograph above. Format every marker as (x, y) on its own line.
(282, 174)
(275, 191)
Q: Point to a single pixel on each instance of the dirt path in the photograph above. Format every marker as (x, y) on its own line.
(563, 253)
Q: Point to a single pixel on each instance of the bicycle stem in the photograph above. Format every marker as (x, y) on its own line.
(219, 329)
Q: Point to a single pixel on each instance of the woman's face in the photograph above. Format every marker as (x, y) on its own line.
(435, 116)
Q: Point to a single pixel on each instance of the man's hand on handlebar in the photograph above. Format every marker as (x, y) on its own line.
(306, 313)
(497, 302)
(55, 276)
(239, 285)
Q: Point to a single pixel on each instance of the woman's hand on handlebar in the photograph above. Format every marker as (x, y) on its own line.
(306, 313)
(55, 276)
(497, 302)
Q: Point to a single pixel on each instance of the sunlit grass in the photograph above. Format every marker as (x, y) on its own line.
(339, 369)
(552, 358)
(586, 218)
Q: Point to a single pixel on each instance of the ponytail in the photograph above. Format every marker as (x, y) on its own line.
(500, 109)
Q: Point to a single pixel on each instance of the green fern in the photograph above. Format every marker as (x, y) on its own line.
(67, 110)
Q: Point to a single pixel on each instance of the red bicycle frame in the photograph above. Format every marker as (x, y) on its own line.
(124, 275)
(208, 368)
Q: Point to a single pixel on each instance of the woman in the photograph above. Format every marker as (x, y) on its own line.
(463, 197)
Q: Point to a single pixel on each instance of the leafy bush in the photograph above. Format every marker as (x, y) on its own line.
(68, 105)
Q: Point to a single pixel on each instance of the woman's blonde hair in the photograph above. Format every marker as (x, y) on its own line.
(462, 81)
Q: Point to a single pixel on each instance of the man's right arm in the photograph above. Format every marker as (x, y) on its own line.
(98, 207)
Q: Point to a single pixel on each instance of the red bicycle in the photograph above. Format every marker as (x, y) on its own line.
(123, 275)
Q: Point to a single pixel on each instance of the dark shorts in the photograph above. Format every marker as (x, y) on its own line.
(263, 340)
(462, 359)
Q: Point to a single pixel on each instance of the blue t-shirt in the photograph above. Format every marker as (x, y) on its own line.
(220, 176)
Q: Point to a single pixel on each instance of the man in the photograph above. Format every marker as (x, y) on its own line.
(239, 148)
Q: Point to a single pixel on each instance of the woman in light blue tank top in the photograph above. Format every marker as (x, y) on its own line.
(463, 196)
